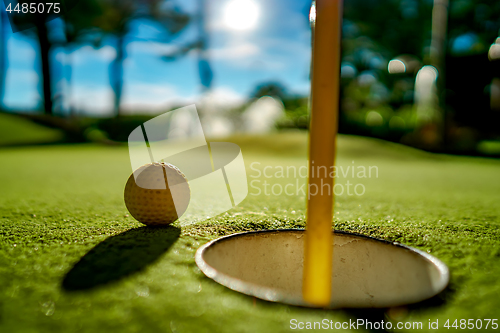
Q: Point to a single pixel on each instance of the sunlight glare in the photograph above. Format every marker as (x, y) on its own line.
(241, 14)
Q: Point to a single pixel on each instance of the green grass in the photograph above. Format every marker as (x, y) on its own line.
(72, 260)
(15, 130)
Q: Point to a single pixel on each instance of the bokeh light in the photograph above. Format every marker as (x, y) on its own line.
(494, 51)
(396, 66)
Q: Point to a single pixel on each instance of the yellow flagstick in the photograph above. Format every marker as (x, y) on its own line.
(318, 250)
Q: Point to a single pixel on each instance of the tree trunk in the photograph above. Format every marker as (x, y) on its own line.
(3, 54)
(116, 73)
(45, 46)
(69, 80)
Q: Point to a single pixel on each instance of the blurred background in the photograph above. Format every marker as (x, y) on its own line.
(424, 73)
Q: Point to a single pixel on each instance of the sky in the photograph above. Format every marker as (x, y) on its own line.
(268, 41)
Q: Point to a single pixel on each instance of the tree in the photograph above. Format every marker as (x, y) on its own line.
(200, 43)
(78, 17)
(39, 32)
(35, 25)
(115, 18)
(79, 28)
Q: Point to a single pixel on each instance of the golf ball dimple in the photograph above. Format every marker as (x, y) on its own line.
(158, 194)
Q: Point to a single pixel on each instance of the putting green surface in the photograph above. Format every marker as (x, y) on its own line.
(73, 260)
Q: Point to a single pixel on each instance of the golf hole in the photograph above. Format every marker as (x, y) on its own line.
(367, 272)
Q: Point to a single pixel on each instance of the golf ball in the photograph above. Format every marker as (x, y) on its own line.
(158, 194)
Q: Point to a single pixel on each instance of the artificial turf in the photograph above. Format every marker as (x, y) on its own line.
(73, 260)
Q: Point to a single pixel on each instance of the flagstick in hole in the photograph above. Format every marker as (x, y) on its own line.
(318, 251)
